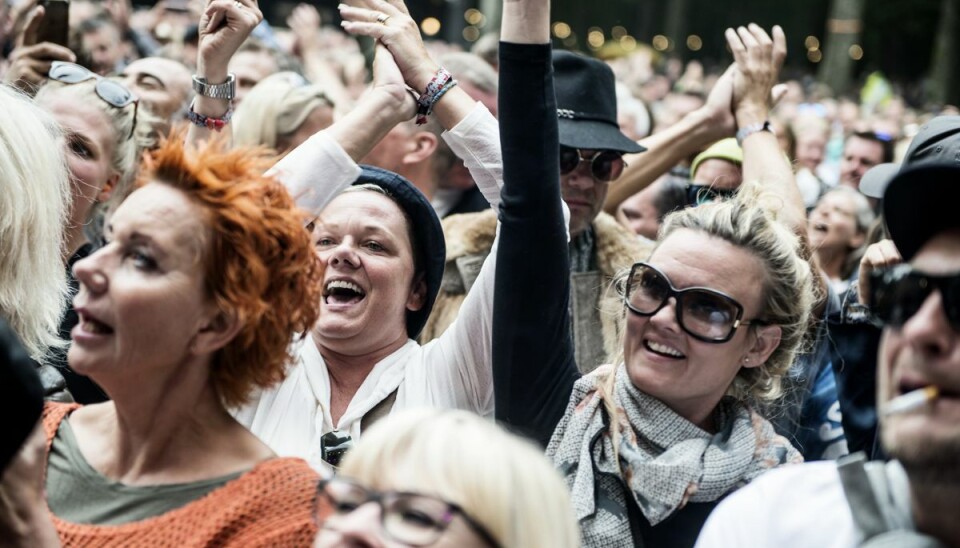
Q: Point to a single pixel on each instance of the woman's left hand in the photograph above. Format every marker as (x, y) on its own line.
(224, 25)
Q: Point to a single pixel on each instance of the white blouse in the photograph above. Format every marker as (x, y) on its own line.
(452, 371)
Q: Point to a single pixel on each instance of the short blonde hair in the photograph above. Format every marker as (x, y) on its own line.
(503, 482)
(33, 212)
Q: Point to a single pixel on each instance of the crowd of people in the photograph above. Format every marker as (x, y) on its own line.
(338, 285)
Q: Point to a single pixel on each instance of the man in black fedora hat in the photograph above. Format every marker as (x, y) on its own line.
(591, 158)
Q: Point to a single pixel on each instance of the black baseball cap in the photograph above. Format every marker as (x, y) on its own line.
(937, 142)
(921, 202)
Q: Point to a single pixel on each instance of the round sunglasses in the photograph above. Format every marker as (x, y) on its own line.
(705, 314)
(113, 93)
(605, 165)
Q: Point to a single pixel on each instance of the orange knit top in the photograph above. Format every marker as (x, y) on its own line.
(271, 505)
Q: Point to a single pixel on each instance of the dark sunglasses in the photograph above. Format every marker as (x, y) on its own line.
(409, 518)
(605, 165)
(704, 194)
(113, 93)
(897, 293)
(706, 314)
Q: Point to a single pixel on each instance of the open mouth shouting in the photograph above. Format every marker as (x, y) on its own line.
(342, 292)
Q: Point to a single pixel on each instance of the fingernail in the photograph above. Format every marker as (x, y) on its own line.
(341, 6)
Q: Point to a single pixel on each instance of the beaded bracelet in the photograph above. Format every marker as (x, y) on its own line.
(434, 90)
(209, 122)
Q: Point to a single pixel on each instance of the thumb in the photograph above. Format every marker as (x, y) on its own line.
(31, 30)
(777, 93)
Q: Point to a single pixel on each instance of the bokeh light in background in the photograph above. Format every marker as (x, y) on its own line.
(561, 30)
(430, 26)
(856, 52)
(694, 42)
(660, 42)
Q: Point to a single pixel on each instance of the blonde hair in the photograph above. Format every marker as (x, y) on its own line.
(276, 106)
(501, 481)
(129, 141)
(33, 212)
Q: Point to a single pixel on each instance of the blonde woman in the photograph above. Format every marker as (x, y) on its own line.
(103, 128)
(282, 112)
(36, 199)
(470, 484)
(715, 315)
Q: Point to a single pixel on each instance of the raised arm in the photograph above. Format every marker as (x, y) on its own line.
(758, 61)
(223, 27)
(533, 360)
(667, 148)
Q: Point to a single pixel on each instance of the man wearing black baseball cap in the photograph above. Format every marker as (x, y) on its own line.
(591, 158)
(911, 500)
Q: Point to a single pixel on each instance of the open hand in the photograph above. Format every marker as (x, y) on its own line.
(758, 59)
(304, 21)
(390, 23)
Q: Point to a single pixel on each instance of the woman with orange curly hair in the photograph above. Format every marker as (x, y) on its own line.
(187, 309)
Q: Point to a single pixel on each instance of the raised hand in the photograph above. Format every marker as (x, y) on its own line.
(389, 22)
(30, 61)
(758, 59)
(304, 21)
(882, 254)
(224, 25)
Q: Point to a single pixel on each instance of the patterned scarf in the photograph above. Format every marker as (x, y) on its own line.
(665, 460)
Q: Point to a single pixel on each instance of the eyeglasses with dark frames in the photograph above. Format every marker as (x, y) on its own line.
(705, 314)
(898, 293)
(113, 93)
(413, 519)
(605, 165)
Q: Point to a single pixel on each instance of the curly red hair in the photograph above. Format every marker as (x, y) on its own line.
(259, 263)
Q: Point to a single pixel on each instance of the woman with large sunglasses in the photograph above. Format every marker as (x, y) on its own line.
(102, 143)
(650, 444)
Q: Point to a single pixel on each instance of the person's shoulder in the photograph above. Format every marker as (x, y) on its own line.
(617, 246)
(469, 233)
(799, 505)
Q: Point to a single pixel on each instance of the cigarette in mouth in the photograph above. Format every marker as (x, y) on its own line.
(911, 400)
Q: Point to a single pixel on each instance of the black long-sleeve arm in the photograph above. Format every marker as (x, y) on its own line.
(533, 360)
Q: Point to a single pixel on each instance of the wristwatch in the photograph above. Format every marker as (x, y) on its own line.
(747, 131)
(226, 90)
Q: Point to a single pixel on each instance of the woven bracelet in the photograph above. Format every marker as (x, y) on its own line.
(209, 122)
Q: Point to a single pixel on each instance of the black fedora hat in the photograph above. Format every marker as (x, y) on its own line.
(430, 246)
(587, 104)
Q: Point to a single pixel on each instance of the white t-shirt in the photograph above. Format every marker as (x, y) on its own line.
(792, 507)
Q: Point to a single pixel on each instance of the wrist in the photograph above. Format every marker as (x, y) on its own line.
(750, 114)
(705, 127)
(422, 75)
